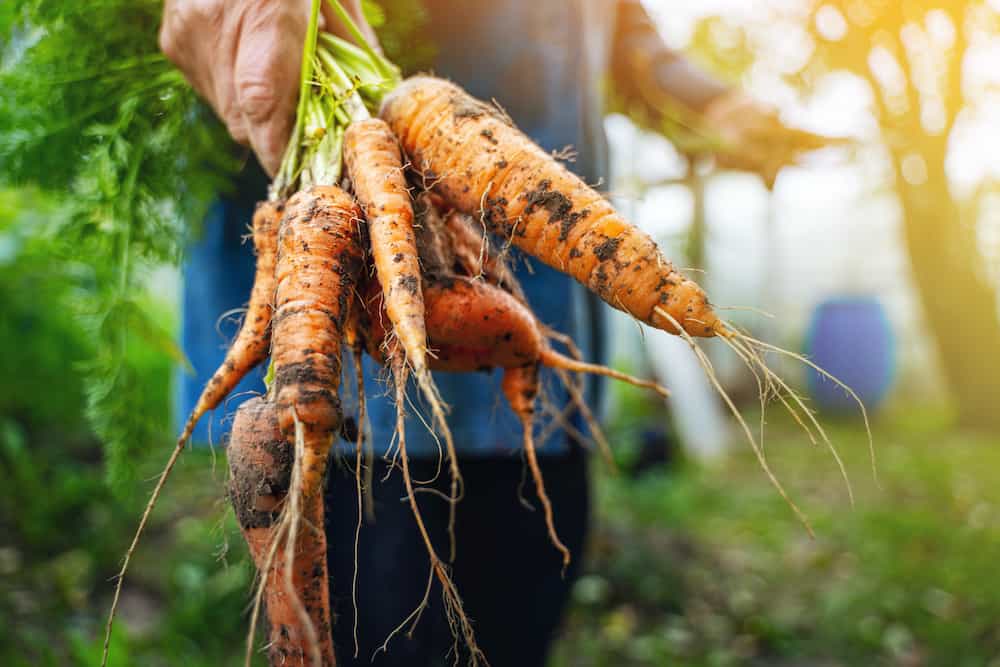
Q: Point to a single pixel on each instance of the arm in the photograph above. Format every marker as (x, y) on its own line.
(243, 57)
(645, 70)
(653, 80)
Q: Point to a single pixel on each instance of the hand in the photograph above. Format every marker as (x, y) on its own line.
(754, 138)
(243, 57)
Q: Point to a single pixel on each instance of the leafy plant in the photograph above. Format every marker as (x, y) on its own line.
(96, 117)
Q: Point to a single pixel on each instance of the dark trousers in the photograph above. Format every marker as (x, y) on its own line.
(506, 571)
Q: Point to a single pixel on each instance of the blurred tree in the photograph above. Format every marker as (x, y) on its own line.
(911, 54)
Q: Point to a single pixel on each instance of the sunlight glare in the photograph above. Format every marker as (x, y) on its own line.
(831, 23)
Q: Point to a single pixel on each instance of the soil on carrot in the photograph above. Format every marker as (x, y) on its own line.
(464, 106)
(246, 487)
(558, 205)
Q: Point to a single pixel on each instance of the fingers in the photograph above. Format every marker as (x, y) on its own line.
(183, 39)
(243, 57)
(755, 138)
(266, 77)
(201, 37)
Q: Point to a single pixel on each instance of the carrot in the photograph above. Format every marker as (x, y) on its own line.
(260, 465)
(522, 193)
(472, 253)
(319, 260)
(520, 387)
(481, 165)
(473, 326)
(375, 166)
(252, 342)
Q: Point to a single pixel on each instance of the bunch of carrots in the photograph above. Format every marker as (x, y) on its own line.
(376, 238)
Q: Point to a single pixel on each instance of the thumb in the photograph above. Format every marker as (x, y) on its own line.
(266, 76)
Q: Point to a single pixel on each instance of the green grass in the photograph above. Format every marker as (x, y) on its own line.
(185, 593)
(707, 566)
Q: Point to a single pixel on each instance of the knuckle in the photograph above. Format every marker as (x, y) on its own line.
(186, 21)
(233, 118)
(168, 42)
(238, 132)
(257, 98)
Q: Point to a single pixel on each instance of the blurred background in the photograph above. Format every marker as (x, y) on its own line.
(878, 258)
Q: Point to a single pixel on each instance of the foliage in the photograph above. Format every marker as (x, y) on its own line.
(917, 60)
(63, 532)
(94, 113)
(340, 82)
(63, 548)
(46, 342)
(96, 117)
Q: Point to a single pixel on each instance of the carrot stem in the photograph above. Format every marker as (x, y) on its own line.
(384, 65)
(339, 83)
(284, 182)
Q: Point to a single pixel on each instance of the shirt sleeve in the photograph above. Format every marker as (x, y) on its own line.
(644, 69)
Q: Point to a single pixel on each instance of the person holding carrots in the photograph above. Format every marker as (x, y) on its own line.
(543, 62)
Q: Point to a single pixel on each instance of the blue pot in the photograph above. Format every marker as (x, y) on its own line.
(851, 338)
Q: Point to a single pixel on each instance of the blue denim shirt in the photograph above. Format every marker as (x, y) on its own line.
(543, 62)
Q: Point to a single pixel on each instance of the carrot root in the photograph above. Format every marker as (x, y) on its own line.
(709, 369)
(120, 579)
(520, 386)
(283, 532)
(553, 359)
(458, 621)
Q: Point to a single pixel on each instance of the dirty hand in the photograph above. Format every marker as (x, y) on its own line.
(243, 57)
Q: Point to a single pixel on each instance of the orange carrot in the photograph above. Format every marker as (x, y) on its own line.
(252, 342)
(473, 325)
(319, 260)
(472, 252)
(520, 386)
(260, 465)
(375, 166)
(483, 166)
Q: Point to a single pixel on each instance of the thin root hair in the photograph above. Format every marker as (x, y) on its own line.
(710, 373)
